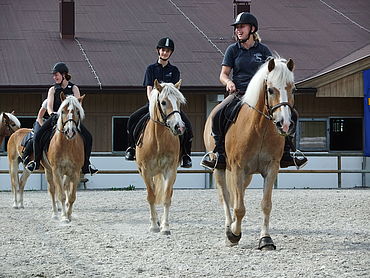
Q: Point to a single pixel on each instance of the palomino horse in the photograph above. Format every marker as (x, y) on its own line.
(8, 125)
(65, 157)
(254, 144)
(15, 150)
(158, 154)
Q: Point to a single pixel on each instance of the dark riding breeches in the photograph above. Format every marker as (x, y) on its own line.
(185, 139)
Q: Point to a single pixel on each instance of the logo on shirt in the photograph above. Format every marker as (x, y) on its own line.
(258, 57)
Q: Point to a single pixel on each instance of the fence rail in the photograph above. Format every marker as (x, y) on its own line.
(339, 171)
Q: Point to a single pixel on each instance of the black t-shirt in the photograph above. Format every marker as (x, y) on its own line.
(167, 74)
(58, 90)
(245, 62)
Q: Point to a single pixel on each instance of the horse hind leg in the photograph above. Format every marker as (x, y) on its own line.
(22, 184)
(14, 179)
(224, 196)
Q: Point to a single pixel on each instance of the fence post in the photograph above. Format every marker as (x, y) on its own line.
(339, 159)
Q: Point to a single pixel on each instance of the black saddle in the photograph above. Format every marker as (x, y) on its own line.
(27, 138)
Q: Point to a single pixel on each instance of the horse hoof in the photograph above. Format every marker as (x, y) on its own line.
(266, 244)
(165, 233)
(15, 207)
(154, 230)
(234, 239)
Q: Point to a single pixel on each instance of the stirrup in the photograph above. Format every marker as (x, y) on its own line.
(204, 158)
(295, 158)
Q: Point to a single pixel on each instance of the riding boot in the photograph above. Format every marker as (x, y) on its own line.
(219, 160)
(287, 160)
(130, 154)
(186, 151)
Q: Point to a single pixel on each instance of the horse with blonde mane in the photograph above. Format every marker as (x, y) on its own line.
(8, 125)
(65, 156)
(254, 144)
(158, 153)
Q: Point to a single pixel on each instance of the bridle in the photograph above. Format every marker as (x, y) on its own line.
(164, 116)
(76, 123)
(270, 109)
(8, 125)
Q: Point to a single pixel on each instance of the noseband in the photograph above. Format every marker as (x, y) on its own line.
(69, 120)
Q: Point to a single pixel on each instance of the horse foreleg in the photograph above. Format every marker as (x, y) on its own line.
(168, 190)
(239, 182)
(148, 180)
(72, 184)
(266, 242)
(60, 191)
(52, 193)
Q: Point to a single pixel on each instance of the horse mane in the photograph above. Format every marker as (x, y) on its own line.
(169, 90)
(13, 118)
(70, 102)
(278, 76)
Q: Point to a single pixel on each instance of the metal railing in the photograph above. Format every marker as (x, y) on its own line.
(339, 171)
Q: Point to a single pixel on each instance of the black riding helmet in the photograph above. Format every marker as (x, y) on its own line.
(246, 18)
(166, 43)
(60, 67)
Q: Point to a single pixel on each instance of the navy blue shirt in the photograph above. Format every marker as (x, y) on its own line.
(167, 74)
(245, 62)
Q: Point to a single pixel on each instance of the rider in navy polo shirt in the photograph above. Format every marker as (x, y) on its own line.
(243, 59)
(163, 71)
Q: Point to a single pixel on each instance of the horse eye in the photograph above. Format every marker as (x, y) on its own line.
(271, 91)
(163, 103)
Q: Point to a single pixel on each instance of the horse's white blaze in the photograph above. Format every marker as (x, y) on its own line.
(285, 111)
(175, 119)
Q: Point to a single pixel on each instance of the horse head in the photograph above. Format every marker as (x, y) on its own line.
(166, 99)
(70, 115)
(279, 86)
(8, 123)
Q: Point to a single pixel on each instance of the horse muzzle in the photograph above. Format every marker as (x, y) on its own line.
(178, 130)
(285, 129)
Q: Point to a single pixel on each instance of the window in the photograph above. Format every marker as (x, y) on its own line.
(312, 135)
(26, 122)
(119, 136)
(346, 134)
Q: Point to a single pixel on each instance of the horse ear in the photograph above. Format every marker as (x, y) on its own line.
(178, 84)
(5, 118)
(290, 64)
(62, 96)
(271, 65)
(157, 85)
(81, 98)
(13, 112)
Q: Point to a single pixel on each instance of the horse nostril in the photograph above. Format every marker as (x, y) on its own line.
(177, 126)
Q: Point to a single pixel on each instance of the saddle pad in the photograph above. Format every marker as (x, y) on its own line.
(27, 138)
(230, 113)
(139, 128)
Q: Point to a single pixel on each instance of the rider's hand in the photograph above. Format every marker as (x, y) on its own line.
(230, 86)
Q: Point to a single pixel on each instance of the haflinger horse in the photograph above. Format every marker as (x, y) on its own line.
(158, 154)
(8, 125)
(65, 156)
(254, 144)
(15, 150)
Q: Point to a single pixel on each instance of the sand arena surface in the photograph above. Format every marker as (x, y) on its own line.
(318, 233)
